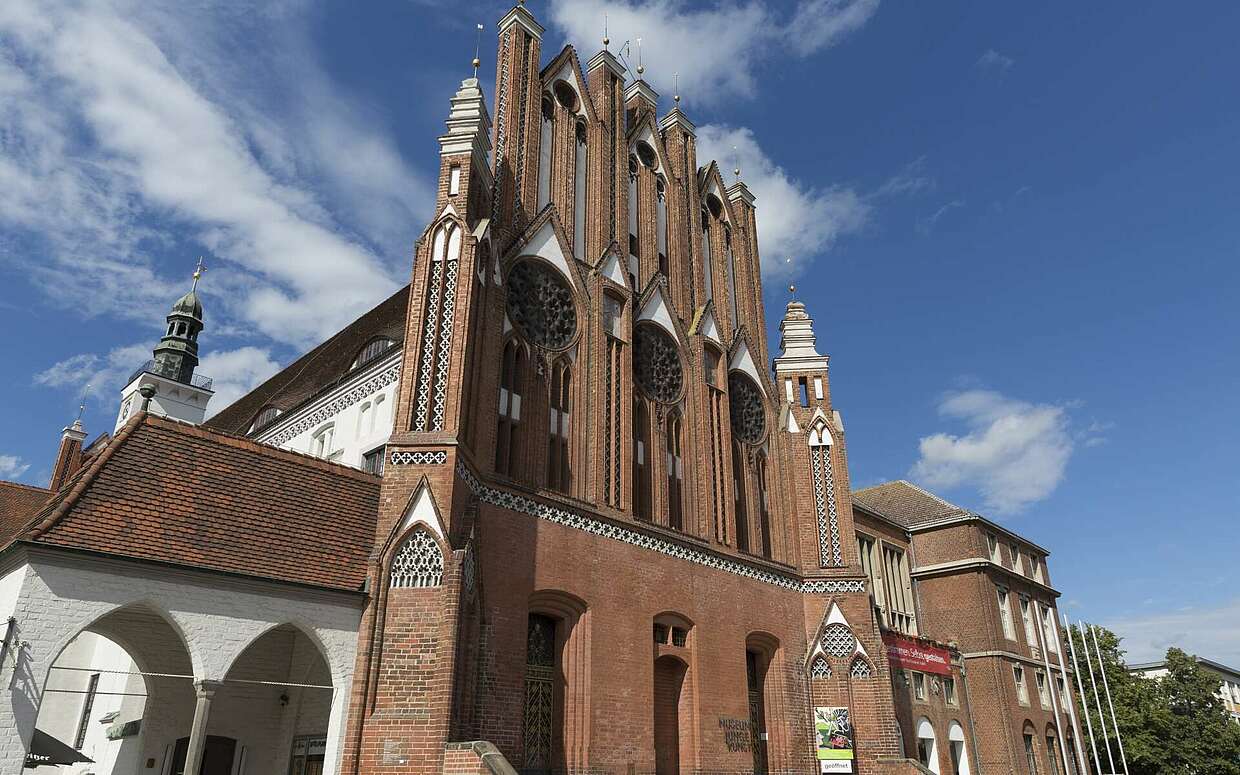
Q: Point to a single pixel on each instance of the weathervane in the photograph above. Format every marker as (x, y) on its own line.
(198, 270)
(477, 50)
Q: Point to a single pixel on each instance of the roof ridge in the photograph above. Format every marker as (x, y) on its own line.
(931, 495)
(244, 442)
(7, 483)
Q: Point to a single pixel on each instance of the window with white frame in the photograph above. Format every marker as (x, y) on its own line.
(919, 685)
(1022, 691)
(949, 692)
(1005, 614)
(1063, 697)
(897, 591)
(372, 462)
(1038, 564)
(1026, 615)
(867, 554)
(1016, 566)
(1049, 631)
(992, 545)
(1044, 690)
(321, 442)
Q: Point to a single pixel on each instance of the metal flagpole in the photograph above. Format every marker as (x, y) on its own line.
(1093, 631)
(1076, 725)
(1050, 681)
(1102, 720)
(1076, 667)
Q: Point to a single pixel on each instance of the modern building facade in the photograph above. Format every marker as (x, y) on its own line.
(1229, 680)
(551, 507)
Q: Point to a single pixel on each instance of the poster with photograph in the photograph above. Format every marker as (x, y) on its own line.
(833, 736)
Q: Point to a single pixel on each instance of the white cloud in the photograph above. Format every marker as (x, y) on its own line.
(716, 50)
(795, 221)
(235, 373)
(12, 467)
(129, 127)
(993, 60)
(927, 224)
(913, 179)
(1209, 632)
(1013, 452)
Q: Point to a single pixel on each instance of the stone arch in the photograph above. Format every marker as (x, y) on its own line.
(927, 744)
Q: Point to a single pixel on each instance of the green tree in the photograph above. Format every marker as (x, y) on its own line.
(1175, 725)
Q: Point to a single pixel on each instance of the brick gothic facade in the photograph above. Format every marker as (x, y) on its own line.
(607, 540)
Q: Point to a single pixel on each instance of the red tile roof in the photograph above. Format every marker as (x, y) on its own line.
(905, 503)
(18, 503)
(170, 492)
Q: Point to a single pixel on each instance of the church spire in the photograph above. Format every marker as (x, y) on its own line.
(176, 355)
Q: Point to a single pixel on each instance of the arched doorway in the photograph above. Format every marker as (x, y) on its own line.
(669, 680)
(119, 694)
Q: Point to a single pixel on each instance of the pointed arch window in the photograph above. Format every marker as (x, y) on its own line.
(860, 669)
(418, 562)
(714, 397)
(707, 256)
(820, 669)
(739, 495)
(830, 550)
(545, 145)
(613, 368)
(439, 314)
(642, 505)
(675, 474)
(660, 188)
(730, 269)
(764, 507)
(559, 465)
(580, 161)
(510, 387)
(634, 264)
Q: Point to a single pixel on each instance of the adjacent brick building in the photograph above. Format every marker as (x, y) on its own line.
(611, 534)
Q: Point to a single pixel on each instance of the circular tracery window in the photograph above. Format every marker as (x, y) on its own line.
(745, 403)
(541, 306)
(647, 154)
(656, 364)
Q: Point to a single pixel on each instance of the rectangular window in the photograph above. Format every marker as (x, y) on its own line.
(949, 692)
(1052, 754)
(818, 388)
(1063, 697)
(88, 705)
(1044, 691)
(1049, 631)
(1026, 615)
(919, 685)
(992, 544)
(1005, 614)
(372, 462)
(803, 391)
(454, 180)
(897, 591)
(1038, 564)
(1015, 558)
(865, 552)
(1022, 691)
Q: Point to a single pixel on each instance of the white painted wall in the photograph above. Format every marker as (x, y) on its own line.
(218, 617)
(359, 413)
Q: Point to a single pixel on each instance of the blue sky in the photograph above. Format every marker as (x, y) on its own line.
(1015, 227)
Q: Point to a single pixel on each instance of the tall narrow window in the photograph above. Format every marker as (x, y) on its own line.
(1031, 755)
(738, 492)
(509, 408)
(579, 193)
(869, 564)
(544, 152)
(660, 188)
(88, 706)
(1049, 632)
(1052, 754)
(1026, 615)
(641, 464)
(755, 675)
(634, 263)
(613, 319)
(897, 590)
(730, 268)
(675, 475)
(714, 397)
(707, 257)
(454, 180)
(764, 506)
(1005, 614)
(558, 461)
(1022, 691)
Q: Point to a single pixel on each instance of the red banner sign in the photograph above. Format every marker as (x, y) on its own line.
(908, 654)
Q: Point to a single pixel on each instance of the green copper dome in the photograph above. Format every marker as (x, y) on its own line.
(188, 305)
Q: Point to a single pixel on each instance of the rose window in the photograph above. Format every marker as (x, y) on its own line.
(540, 305)
(656, 364)
(748, 414)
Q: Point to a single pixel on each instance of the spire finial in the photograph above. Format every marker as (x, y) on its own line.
(791, 287)
(676, 88)
(606, 38)
(198, 270)
(641, 68)
(736, 167)
(477, 50)
(82, 406)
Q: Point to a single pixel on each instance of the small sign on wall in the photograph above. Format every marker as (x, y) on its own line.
(833, 737)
